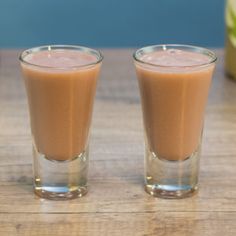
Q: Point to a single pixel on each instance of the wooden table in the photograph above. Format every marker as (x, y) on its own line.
(116, 203)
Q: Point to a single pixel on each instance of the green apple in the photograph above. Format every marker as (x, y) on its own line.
(230, 16)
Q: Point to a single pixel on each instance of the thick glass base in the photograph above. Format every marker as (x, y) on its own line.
(59, 193)
(60, 180)
(171, 179)
(173, 192)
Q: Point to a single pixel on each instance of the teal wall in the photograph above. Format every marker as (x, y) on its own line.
(111, 23)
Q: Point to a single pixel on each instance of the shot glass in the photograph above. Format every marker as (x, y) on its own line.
(60, 82)
(174, 81)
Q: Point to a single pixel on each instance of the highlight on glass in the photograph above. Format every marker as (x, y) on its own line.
(60, 82)
(174, 81)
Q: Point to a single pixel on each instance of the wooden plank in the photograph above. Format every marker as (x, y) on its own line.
(129, 224)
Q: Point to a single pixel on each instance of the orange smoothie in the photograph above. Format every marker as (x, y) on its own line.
(61, 87)
(174, 87)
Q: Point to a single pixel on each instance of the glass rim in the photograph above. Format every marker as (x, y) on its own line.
(192, 48)
(90, 51)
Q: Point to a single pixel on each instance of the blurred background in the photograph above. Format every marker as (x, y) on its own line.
(111, 23)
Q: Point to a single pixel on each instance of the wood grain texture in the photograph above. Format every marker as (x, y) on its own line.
(116, 203)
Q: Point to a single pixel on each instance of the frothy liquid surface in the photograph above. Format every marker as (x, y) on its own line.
(60, 101)
(175, 58)
(174, 96)
(60, 58)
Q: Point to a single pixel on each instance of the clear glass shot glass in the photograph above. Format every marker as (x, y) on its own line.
(174, 81)
(60, 82)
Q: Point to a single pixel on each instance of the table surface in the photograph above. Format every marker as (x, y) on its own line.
(116, 203)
